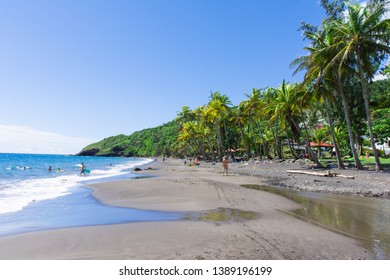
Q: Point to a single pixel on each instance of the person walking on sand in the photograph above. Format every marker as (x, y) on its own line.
(82, 169)
(225, 166)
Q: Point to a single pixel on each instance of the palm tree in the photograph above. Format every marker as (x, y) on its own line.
(209, 117)
(185, 118)
(203, 129)
(319, 137)
(240, 118)
(273, 124)
(286, 105)
(322, 69)
(191, 129)
(225, 110)
(185, 115)
(365, 39)
(186, 135)
(254, 110)
(218, 109)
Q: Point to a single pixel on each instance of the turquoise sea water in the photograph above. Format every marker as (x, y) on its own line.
(34, 198)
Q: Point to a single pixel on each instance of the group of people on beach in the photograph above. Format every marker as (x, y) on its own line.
(58, 169)
(225, 164)
(82, 170)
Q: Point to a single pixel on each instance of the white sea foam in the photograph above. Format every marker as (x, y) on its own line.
(15, 195)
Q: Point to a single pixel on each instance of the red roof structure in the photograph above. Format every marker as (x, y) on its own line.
(322, 144)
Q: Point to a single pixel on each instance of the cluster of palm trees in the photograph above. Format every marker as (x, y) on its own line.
(349, 46)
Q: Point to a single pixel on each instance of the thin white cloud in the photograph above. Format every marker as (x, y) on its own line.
(385, 15)
(24, 139)
(379, 76)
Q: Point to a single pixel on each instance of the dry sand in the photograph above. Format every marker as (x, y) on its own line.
(175, 187)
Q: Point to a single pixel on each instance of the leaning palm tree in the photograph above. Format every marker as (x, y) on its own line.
(322, 69)
(285, 108)
(364, 38)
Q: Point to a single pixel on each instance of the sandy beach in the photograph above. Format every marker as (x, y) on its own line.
(256, 227)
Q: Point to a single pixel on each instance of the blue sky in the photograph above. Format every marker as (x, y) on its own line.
(74, 72)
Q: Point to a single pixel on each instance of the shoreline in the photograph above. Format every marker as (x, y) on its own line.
(366, 183)
(175, 187)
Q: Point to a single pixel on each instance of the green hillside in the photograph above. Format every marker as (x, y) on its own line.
(157, 141)
(212, 130)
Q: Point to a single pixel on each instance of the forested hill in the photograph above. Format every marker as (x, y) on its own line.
(208, 129)
(161, 140)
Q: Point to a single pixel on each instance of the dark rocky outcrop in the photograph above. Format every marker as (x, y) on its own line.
(90, 152)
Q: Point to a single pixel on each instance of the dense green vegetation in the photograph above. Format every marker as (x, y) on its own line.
(336, 103)
(371, 161)
(161, 140)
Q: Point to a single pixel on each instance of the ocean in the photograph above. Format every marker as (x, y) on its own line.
(33, 198)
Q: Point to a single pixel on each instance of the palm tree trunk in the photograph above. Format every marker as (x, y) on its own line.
(359, 143)
(336, 147)
(243, 140)
(307, 142)
(289, 144)
(211, 149)
(218, 132)
(277, 144)
(201, 150)
(254, 140)
(349, 127)
(195, 146)
(367, 107)
(191, 146)
(304, 126)
(226, 136)
(306, 139)
(265, 145)
(275, 141)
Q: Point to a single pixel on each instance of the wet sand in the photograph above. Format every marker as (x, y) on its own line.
(364, 183)
(270, 234)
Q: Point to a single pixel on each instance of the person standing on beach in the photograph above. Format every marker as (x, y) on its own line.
(82, 169)
(225, 166)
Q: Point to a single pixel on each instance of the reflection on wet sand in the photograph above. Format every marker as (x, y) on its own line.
(221, 215)
(366, 219)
